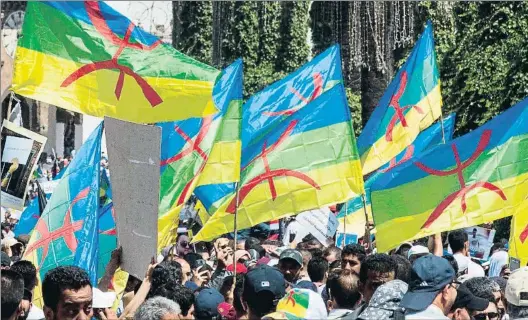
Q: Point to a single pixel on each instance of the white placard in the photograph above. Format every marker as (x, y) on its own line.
(321, 223)
(16, 147)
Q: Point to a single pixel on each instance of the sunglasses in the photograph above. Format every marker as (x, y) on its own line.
(185, 244)
(487, 316)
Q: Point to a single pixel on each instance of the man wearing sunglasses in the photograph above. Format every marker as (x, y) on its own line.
(432, 290)
(465, 304)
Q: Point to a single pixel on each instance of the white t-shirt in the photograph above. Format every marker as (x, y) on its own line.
(35, 313)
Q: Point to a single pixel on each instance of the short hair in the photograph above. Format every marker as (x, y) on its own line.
(12, 292)
(28, 271)
(177, 293)
(156, 308)
(335, 265)
(333, 250)
(307, 256)
(317, 269)
(59, 279)
(167, 272)
(482, 287)
(355, 250)
(379, 262)
(516, 312)
(343, 287)
(452, 261)
(457, 240)
(316, 252)
(403, 268)
(250, 242)
(192, 259)
(260, 249)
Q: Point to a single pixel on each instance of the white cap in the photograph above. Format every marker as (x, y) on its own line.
(417, 250)
(102, 300)
(517, 288)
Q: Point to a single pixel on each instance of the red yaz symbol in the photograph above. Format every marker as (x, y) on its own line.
(524, 234)
(318, 89)
(96, 16)
(406, 157)
(270, 174)
(458, 170)
(399, 111)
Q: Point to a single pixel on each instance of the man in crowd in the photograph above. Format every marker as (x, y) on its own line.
(264, 286)
(12, 294)
(206, 304)
(332, 254)
(459, 243)
(67, 294)
(29, 273)
(343, 293)
(376, 270)
(318, 272)
(158, 308)
(465, 304)
(488, 289)
(432, 291)
(352, 256)
(517, 294)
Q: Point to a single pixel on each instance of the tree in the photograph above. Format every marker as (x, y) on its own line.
(294, 50)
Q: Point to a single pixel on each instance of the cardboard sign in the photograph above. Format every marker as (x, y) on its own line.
(21, 150)
(321, 223)
(134, 159)
(480, 242)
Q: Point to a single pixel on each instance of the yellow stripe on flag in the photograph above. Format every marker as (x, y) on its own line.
(519, 234)
(223, 164)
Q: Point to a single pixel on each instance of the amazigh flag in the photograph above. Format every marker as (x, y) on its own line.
(479, 177)
(309, 160)
(28, 218)
(107, 237)
(67, 231)
(88, 58)
(411, 103)
(519, 234)
(200, 151)
(353, 214)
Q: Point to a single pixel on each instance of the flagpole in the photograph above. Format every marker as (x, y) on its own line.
(235, 233)
(442, 126)
(344, 224)
(367, 225)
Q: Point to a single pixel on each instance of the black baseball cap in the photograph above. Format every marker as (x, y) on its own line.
(264, 278)
(293, 255)
(465, 299)
(206, 303)
(430, 274)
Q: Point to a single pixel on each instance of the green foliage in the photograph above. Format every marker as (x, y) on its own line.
(354, 103)
(294, 48)
(196, 30)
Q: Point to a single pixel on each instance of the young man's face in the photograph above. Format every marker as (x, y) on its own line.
(290, 269)
(73, 305)
(351, 262)
(183, 246)
(374, 280)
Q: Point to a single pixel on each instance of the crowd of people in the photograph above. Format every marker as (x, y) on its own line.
(260, 278)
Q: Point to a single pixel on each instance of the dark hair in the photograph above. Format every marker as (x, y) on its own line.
(59, 279)
(452, 261)
(332, 250)
(482, 287)
(316, 252)
(251, 242)
(355, 250)
(335, 265)
(403, 268)
(12, 292)
(457, 239)
(192, 259)
(317, 269)
(343, 287)
(28, 271)
(260, 303)
(177, 293)
(260, 249)
(167, 272)
(379, 262)
(237, 294)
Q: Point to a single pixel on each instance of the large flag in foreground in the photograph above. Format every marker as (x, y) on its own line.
(479, 177)
(519, 234)
(88, 58)
(352, 216)
(309, 160)
(67, 232)
(411, 103)
(200, 151)
(28, 218)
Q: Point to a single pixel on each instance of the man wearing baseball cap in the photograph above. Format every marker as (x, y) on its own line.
(432, 291)
(264, 286)
(291, 266)
(517, 294)
(465, 304)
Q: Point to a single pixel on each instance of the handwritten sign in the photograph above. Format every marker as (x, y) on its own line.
(321, 223)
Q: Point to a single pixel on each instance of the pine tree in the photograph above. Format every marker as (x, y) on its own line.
(294, 50)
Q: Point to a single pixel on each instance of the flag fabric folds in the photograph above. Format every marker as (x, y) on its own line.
(67, 231)
(28, 218)
(411, 103)
(88, 58)
(479, 177)
(107, 237)
(519, 234)
(309, 160)
(200, 151)
(354, 216)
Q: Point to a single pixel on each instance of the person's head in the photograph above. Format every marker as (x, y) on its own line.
(352, 256)
(474, 232)
(183, 245)
(432, 283)
(490, 313)
(28, 271)
(167, 272)
(318, 269)
(343, 290)
(182, 295)
(12, 294)
(458, 241)
(251, 242)
(403, 268)
(67, 294)
(291, 264)
(416, 252)
(334, 265)
(307, 256)
(487, 289)
(206, 304)
(158, 308)
(186, 269)
(517, 294)
(403, 249)
(376, 270)
(466, 304)
(452, 261)
(385, 301)
(332, 254)
(259, 249)
(263, 287)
